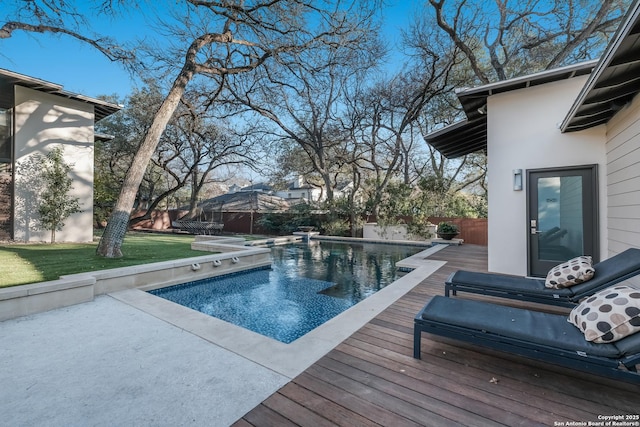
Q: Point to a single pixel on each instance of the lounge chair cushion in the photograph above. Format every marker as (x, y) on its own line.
(534, 327)
(608, 315)
(533, 334)
(503, 282)
(573, 272)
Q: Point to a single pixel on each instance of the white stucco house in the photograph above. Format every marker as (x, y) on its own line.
(296, 190)
(299, 190)
(36, 116)
(563, 150)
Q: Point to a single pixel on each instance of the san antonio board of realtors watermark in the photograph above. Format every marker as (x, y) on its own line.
(627, 420)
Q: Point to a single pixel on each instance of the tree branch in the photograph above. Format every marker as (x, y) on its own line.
(113, 52)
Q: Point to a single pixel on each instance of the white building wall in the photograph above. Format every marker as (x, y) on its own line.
(523, 134)
(310, 194)
(42, 122)
(623, 180)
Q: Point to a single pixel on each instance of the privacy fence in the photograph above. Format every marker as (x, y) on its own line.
(472, 230)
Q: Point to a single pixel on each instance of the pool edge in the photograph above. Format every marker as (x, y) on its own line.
(286, 359)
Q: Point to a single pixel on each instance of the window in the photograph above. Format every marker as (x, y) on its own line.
(5, 136)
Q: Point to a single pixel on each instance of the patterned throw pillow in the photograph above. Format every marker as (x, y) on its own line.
(575, 271)
(608, 315)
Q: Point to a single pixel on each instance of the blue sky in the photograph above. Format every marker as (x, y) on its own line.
(81, 69)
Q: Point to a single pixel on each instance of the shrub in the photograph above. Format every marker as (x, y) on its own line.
(447, 227)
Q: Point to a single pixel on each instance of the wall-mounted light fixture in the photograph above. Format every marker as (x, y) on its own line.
(517, 180)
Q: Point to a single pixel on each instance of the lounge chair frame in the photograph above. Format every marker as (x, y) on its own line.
(608, 272)
(446, 323)
(199, 227)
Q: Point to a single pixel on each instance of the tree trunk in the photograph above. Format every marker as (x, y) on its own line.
(353, 222)
(328, 186)
(113, 236)
(152, 207)
(193, 199)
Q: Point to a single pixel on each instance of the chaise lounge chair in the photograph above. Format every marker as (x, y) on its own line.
(607, 273)
(533, 334)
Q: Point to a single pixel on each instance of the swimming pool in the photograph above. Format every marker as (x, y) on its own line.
(307, 284)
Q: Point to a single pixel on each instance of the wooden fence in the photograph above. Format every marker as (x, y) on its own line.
(472, 230)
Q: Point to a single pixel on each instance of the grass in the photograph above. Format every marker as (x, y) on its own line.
(30, 263)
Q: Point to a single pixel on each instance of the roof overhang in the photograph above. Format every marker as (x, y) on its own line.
(615, 80)
(461, 138)
(8, 79)
(470, 135)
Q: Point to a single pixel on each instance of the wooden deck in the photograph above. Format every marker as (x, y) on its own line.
(371, 378)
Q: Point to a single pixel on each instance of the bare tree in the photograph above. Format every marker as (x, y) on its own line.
(239, 37)
(389, 111)
(301, 96)
(194, 144)
(504, 39)
(199, 144)
(498, 40)
(249, 34)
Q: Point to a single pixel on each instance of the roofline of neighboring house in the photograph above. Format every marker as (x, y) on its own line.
(102, 108)
(630, 21)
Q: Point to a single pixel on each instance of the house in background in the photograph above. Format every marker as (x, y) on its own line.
(296, 191)
(36, 116)
(214, 209)
(563, 152)
(260, 186)
(299, 190)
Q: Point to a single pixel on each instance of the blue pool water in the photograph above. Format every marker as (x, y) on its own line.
(307, 284)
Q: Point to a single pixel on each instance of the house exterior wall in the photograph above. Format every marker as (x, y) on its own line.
(310, 194)
(623, 180)
(42, 122)
(523, 134)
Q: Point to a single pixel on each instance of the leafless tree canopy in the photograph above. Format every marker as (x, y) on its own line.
(306, 77)
(503, 39)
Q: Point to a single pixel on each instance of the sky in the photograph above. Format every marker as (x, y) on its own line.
(81, 69)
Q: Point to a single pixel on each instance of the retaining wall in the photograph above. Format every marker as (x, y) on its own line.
(73, 289)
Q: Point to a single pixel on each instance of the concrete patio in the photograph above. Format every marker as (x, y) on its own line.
(105, 363)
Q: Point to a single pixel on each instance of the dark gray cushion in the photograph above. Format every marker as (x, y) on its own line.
(610, 271)
(630, 345)
(532, 327)
(607, 273)
(505, 283)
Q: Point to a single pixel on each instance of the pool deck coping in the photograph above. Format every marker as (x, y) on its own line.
(286, 359)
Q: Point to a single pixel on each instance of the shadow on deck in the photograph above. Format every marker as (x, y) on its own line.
(371, 378)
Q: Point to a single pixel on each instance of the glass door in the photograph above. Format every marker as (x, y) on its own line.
(562, 216)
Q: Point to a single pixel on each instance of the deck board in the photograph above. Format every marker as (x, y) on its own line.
(371, 378)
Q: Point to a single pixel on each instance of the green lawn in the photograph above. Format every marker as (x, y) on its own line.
(29, 263)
